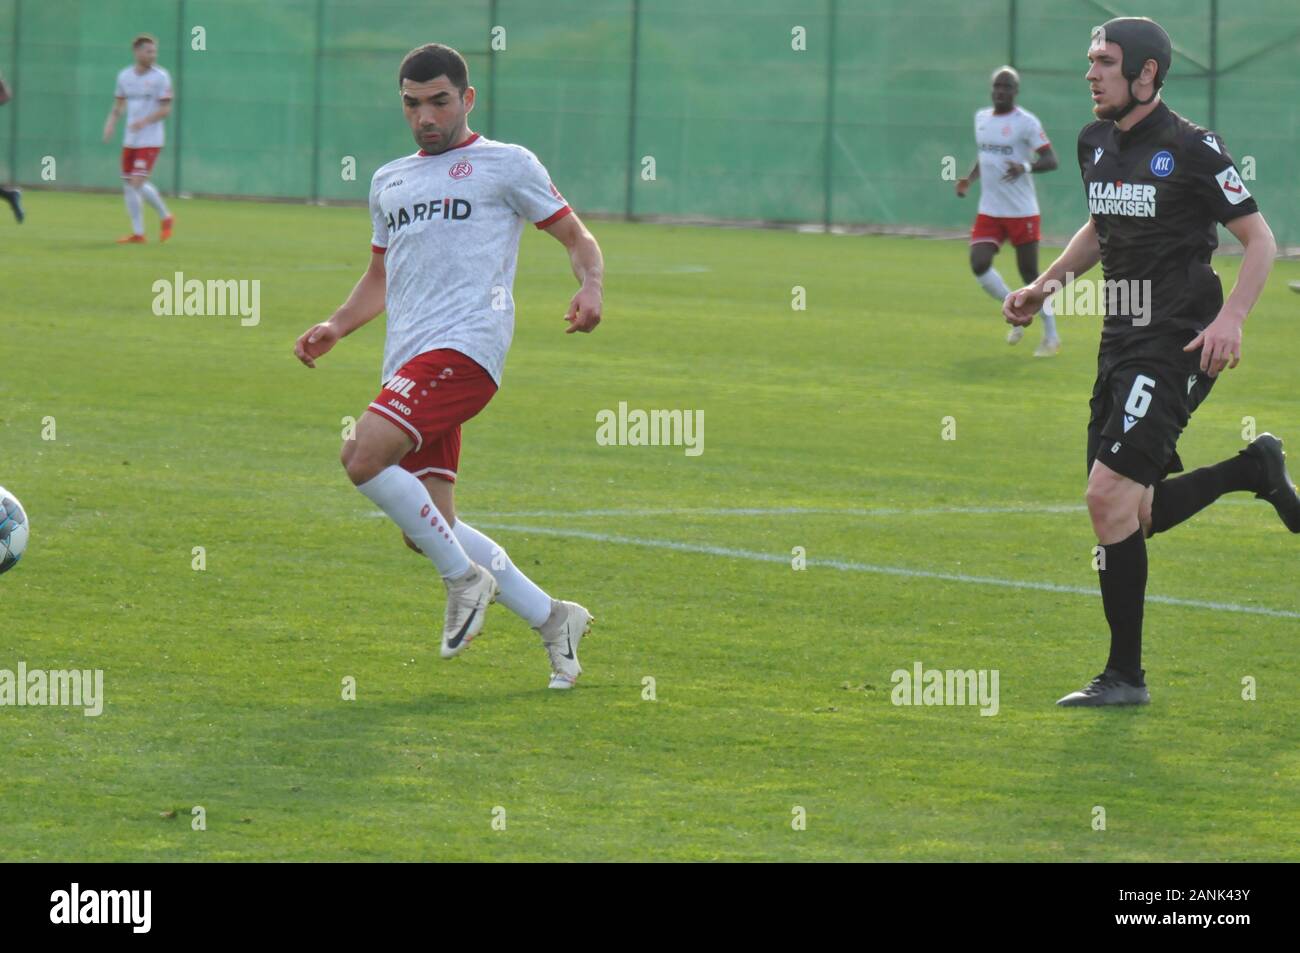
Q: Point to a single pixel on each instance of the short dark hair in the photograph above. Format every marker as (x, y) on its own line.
(143, 38)
(428, 62)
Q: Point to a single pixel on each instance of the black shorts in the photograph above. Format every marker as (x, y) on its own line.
(1140, 404)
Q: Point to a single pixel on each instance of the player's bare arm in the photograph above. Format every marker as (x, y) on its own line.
(1083, 252)
(1046, 162)
(119, 104)
(365, 303)
(963, 184)
(588, 267)
(162, 112)
(1220, 342)
(5, 95)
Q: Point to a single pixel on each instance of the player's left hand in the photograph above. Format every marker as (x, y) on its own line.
(1014, 171)
(1021, 305)
(584, 310)
(1220, 345)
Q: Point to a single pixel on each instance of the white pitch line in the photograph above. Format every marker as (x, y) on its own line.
(869, 511)
(849, 566)
(788, 511)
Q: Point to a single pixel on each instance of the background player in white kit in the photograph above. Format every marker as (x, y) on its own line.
(13, 196)
(1011, 144)
(145, 92)
(447, 222)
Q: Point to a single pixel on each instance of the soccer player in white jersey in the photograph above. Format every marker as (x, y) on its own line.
(13, 196)
(144, 91)
(447, 222)
(1012, 144)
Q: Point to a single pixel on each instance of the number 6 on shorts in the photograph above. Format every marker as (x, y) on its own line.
(1139, 398)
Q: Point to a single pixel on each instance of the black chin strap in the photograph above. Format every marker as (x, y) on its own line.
(1134, 102)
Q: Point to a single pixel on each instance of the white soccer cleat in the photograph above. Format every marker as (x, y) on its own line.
(1048, 347)
(467, 602)
(1015, 334)
(561, 635)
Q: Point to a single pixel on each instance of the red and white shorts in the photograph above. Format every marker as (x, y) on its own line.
(139, 161)
(1021, 231)
(429, 398)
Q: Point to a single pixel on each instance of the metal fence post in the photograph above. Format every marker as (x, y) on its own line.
(631, 110)
(1012, 13)
(1214, 61)
(317, 73)
(176, 95)
(13, 106)
(829, 143)
(492, 72)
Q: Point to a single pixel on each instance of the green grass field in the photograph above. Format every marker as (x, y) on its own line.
(823, 431)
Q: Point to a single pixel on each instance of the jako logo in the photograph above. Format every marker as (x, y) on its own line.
(946, 687)
(103, 906)
(655, 428)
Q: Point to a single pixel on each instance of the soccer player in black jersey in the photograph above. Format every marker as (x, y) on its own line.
(1156, 186)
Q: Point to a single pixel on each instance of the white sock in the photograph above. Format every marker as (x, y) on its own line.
(992, 282)
(519, 594)
(403, 497)
(154, 199)
(1049, 321)
(134, 209)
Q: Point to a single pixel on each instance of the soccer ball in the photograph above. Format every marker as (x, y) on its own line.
(13, 530)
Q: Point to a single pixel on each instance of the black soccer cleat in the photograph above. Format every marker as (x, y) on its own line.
(15, 199)
(1108, 688)
(1278, 487)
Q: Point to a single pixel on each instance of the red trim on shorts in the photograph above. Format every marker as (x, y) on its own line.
(439, 472)
(551, 220)
(378, 409)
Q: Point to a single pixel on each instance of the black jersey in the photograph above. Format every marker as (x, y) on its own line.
(1155, 193)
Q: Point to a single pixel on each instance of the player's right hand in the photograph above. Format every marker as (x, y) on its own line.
(1019, 307)
(315, 342)
(963, 185)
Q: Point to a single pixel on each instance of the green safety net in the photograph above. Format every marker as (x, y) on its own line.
(679, 108)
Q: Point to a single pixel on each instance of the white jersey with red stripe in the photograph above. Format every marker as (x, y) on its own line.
(1014, 136)
(143, 93)
(449, 226)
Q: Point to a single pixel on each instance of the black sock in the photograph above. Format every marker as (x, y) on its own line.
(1177, 499)
(1123, 578)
